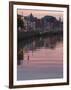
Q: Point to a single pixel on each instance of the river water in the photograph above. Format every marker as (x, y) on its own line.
(40, 58)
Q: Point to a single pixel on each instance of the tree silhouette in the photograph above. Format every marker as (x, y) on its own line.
(20, 22)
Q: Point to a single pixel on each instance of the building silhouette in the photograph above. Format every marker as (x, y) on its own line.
(45, 24)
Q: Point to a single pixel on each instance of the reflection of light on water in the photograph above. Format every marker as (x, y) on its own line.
(43, 55)
(40, 60)
(40, 38)
(37, 49)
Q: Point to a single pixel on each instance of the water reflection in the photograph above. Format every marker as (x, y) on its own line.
(40, 58)
(36, 43)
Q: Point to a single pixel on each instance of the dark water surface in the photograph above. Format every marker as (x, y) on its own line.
(40, 58)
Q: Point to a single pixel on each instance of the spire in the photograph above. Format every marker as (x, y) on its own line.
(31, 15)
(60, 19)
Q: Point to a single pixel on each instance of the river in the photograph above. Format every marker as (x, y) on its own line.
(40, 58)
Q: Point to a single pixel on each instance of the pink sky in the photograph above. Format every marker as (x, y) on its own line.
(39, 14)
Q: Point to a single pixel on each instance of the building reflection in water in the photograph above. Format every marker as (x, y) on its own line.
(36, 43)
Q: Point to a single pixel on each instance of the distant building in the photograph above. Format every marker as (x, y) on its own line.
(29, 22)
(46, 23)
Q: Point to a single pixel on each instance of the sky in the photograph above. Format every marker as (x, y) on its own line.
(40, 13)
